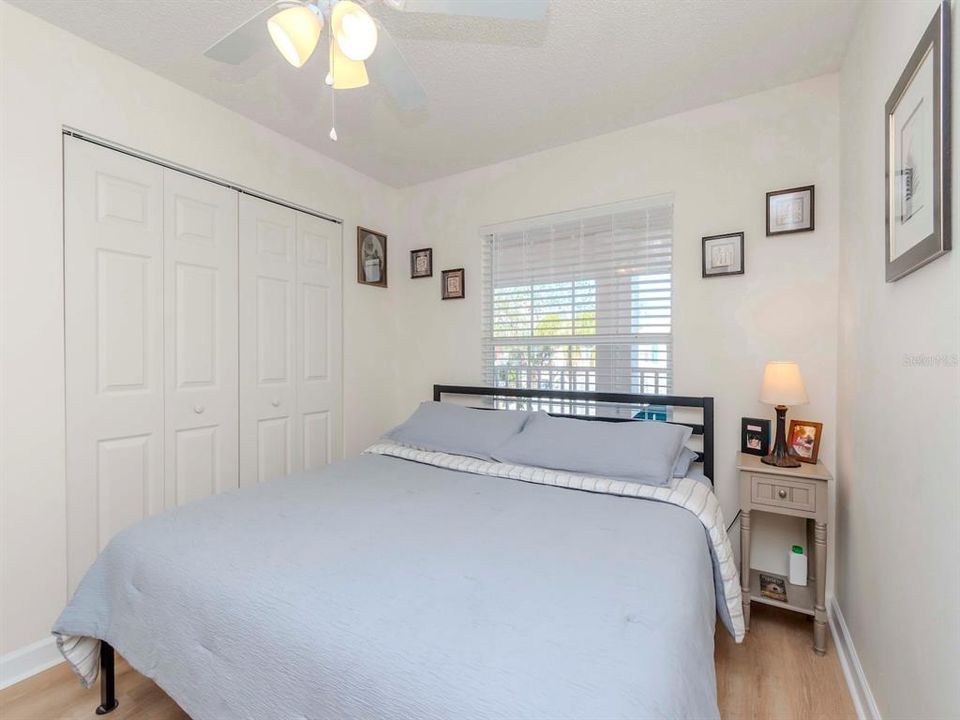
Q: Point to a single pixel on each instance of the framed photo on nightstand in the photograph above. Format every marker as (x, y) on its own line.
(755, 436)
(803, 438)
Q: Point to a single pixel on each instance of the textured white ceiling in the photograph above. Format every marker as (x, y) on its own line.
(496, 89)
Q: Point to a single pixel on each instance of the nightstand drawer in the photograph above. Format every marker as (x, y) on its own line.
(780, 492)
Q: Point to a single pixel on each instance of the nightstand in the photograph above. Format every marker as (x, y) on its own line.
(798, 492)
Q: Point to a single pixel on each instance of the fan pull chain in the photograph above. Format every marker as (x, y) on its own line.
(333, 92)
(333, 114)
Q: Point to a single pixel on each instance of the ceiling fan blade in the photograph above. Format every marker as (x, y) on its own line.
(242, 43)
(388, 68)
(507, 9)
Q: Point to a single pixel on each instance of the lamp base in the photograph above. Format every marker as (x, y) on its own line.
(780, 461)
(781, 456)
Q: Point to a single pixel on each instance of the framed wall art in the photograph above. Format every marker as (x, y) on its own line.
(790, 211)
(452, 285)
(371, 257)
(918, 154)
(723, 255)
(421, 263)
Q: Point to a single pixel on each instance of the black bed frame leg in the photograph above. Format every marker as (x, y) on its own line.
(108, 680)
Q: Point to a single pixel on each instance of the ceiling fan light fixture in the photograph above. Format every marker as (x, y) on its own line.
(354, 30)
(346, 74)
(295, 32)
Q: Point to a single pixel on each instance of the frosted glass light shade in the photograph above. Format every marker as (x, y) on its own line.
(347, 74)
(295, 32)
(783, 385)
(354, 30)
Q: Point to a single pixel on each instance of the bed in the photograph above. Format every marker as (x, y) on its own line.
(408, 583)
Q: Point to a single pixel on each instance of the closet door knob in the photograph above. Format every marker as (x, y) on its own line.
(198, 409)
(275, 402)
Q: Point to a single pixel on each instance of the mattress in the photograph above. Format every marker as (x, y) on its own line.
(383, 587)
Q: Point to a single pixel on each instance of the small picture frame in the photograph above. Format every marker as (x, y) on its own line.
(803, 439)
(371, 257)
(452, 284)
(791, 211)
(755, 436)
(421, 263)
(917, 152)
(773, 587)
(723, 255)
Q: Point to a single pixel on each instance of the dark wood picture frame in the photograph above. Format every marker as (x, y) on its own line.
(936, 41)
(362, 234)
(445, 293)
(413, 263)
(703, 255)
(747, 433)
(815, 451)
(813, 209)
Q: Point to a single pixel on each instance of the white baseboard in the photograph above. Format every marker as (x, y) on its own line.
(28, 661)
(863, 700)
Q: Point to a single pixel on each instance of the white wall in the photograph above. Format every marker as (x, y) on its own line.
(898, 455)
(719, 161)
(48, 79)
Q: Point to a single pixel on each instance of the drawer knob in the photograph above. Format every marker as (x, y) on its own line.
(275, 402)
(198, 409)
(782, 493)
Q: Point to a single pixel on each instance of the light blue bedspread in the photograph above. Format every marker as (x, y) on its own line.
(384, 588)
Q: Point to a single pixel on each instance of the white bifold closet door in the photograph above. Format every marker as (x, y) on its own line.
(200, 301)
(113, 262)
(151, 342)
(203, 332)
(290, 330)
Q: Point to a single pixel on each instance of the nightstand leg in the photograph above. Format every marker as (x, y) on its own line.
(745, 566)
(819, 608)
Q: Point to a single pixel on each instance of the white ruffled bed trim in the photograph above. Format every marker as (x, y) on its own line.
(83, 656)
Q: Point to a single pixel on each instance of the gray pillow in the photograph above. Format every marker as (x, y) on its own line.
(685, 459)
(640, 451)
(449, 428)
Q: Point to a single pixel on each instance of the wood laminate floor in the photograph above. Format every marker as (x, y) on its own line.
(773, 675)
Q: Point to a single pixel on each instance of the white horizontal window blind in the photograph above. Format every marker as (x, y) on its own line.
(581, 301)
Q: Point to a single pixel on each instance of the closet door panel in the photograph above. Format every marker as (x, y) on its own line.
(201, 341)
(113, 263)
(269, 444)
(318, 339)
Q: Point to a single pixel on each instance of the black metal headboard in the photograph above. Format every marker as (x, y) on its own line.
(604, 398)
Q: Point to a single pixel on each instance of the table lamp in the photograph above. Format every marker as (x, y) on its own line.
(782, 386)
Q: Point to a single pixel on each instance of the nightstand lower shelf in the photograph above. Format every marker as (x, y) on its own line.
(801, 492)
(800, 598)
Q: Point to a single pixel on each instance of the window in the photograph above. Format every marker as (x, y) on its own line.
(581, 301)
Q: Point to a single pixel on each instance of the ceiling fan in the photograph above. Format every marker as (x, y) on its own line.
(357, 42)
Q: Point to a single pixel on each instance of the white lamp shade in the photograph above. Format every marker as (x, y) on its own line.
(783, 385)
(354, 30)
(295, 31)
